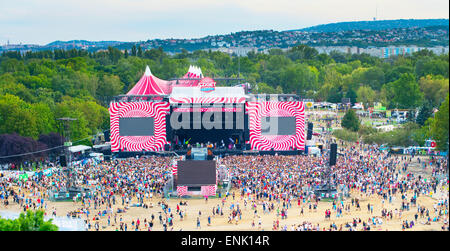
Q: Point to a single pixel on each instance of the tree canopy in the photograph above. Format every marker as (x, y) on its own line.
(350, 121)
(38, 87)
(32, 221)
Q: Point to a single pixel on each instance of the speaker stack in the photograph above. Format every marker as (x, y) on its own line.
(310, 131)
(106, 134)
(62, 160)
(333, 154)
(169, 136)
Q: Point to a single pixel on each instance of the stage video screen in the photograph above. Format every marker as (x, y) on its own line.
(196, 172)
(286, 126)
(136, 126)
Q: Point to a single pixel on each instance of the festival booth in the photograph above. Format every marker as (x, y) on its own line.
(158, 115)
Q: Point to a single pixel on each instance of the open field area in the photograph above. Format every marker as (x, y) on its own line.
(262, 221)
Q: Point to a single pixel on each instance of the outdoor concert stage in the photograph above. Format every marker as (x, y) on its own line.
(158, 116)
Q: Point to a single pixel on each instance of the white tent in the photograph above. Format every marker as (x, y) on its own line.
(101, 146)
(313, 151)
(79, 148)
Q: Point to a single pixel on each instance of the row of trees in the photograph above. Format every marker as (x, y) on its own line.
(425, 125)
(38, 87)
(301, 70)
(15, 145)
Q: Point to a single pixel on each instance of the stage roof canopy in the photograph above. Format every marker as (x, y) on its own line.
(219, 92)
(151, 85)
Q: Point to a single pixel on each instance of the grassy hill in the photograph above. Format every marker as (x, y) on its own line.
(376, 25)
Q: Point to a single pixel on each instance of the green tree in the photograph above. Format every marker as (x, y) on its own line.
(405, 92)
(350, 121)
(264, 88)
(435, 89)
(373, 77)
(351, 95)
(32, 221)
(298, 78)
(426, 110)
(45, 119)
(335, 95)
(302, 52)
(430, 66)
(440, 126)
(10, 85)
(394, 73)
(366, 95)
(133, 51)
(16, 116)
(108, 87)
(139, 51)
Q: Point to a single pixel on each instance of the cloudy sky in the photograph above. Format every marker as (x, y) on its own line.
(44, 21)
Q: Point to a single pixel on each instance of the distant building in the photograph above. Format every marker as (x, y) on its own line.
(381, 52)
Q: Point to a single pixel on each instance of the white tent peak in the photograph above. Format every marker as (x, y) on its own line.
(197, 71)
(147, 71)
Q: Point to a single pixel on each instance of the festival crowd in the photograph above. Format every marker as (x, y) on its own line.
(261, 185)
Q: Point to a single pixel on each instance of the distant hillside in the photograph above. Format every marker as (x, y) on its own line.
(376, 25)
(83, 42)
(422, 33)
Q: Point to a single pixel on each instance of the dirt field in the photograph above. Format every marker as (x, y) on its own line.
(267, 220)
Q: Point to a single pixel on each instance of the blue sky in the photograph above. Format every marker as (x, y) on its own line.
(44, 21)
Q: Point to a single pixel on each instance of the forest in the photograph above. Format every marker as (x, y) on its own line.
(36, 88)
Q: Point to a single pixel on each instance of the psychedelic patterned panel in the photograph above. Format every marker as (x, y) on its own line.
(156, 110)
(224, 100)
(258, 110)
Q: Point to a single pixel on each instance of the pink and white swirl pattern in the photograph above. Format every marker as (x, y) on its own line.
(228, 100)
(156, 110)
(182, 190)
(257, 110)
(207, 191)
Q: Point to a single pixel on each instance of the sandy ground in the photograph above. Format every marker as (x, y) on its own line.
(267, 220)
(221, 222)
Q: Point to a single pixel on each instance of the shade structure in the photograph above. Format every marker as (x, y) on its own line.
(151, 85)
(193, 72)
(79, 148)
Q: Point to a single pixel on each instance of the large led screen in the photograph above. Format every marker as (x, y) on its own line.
(278, 125)
(136, 126)
(196, 172)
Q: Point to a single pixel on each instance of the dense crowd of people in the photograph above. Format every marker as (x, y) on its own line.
(262, 185)
(362, 170)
